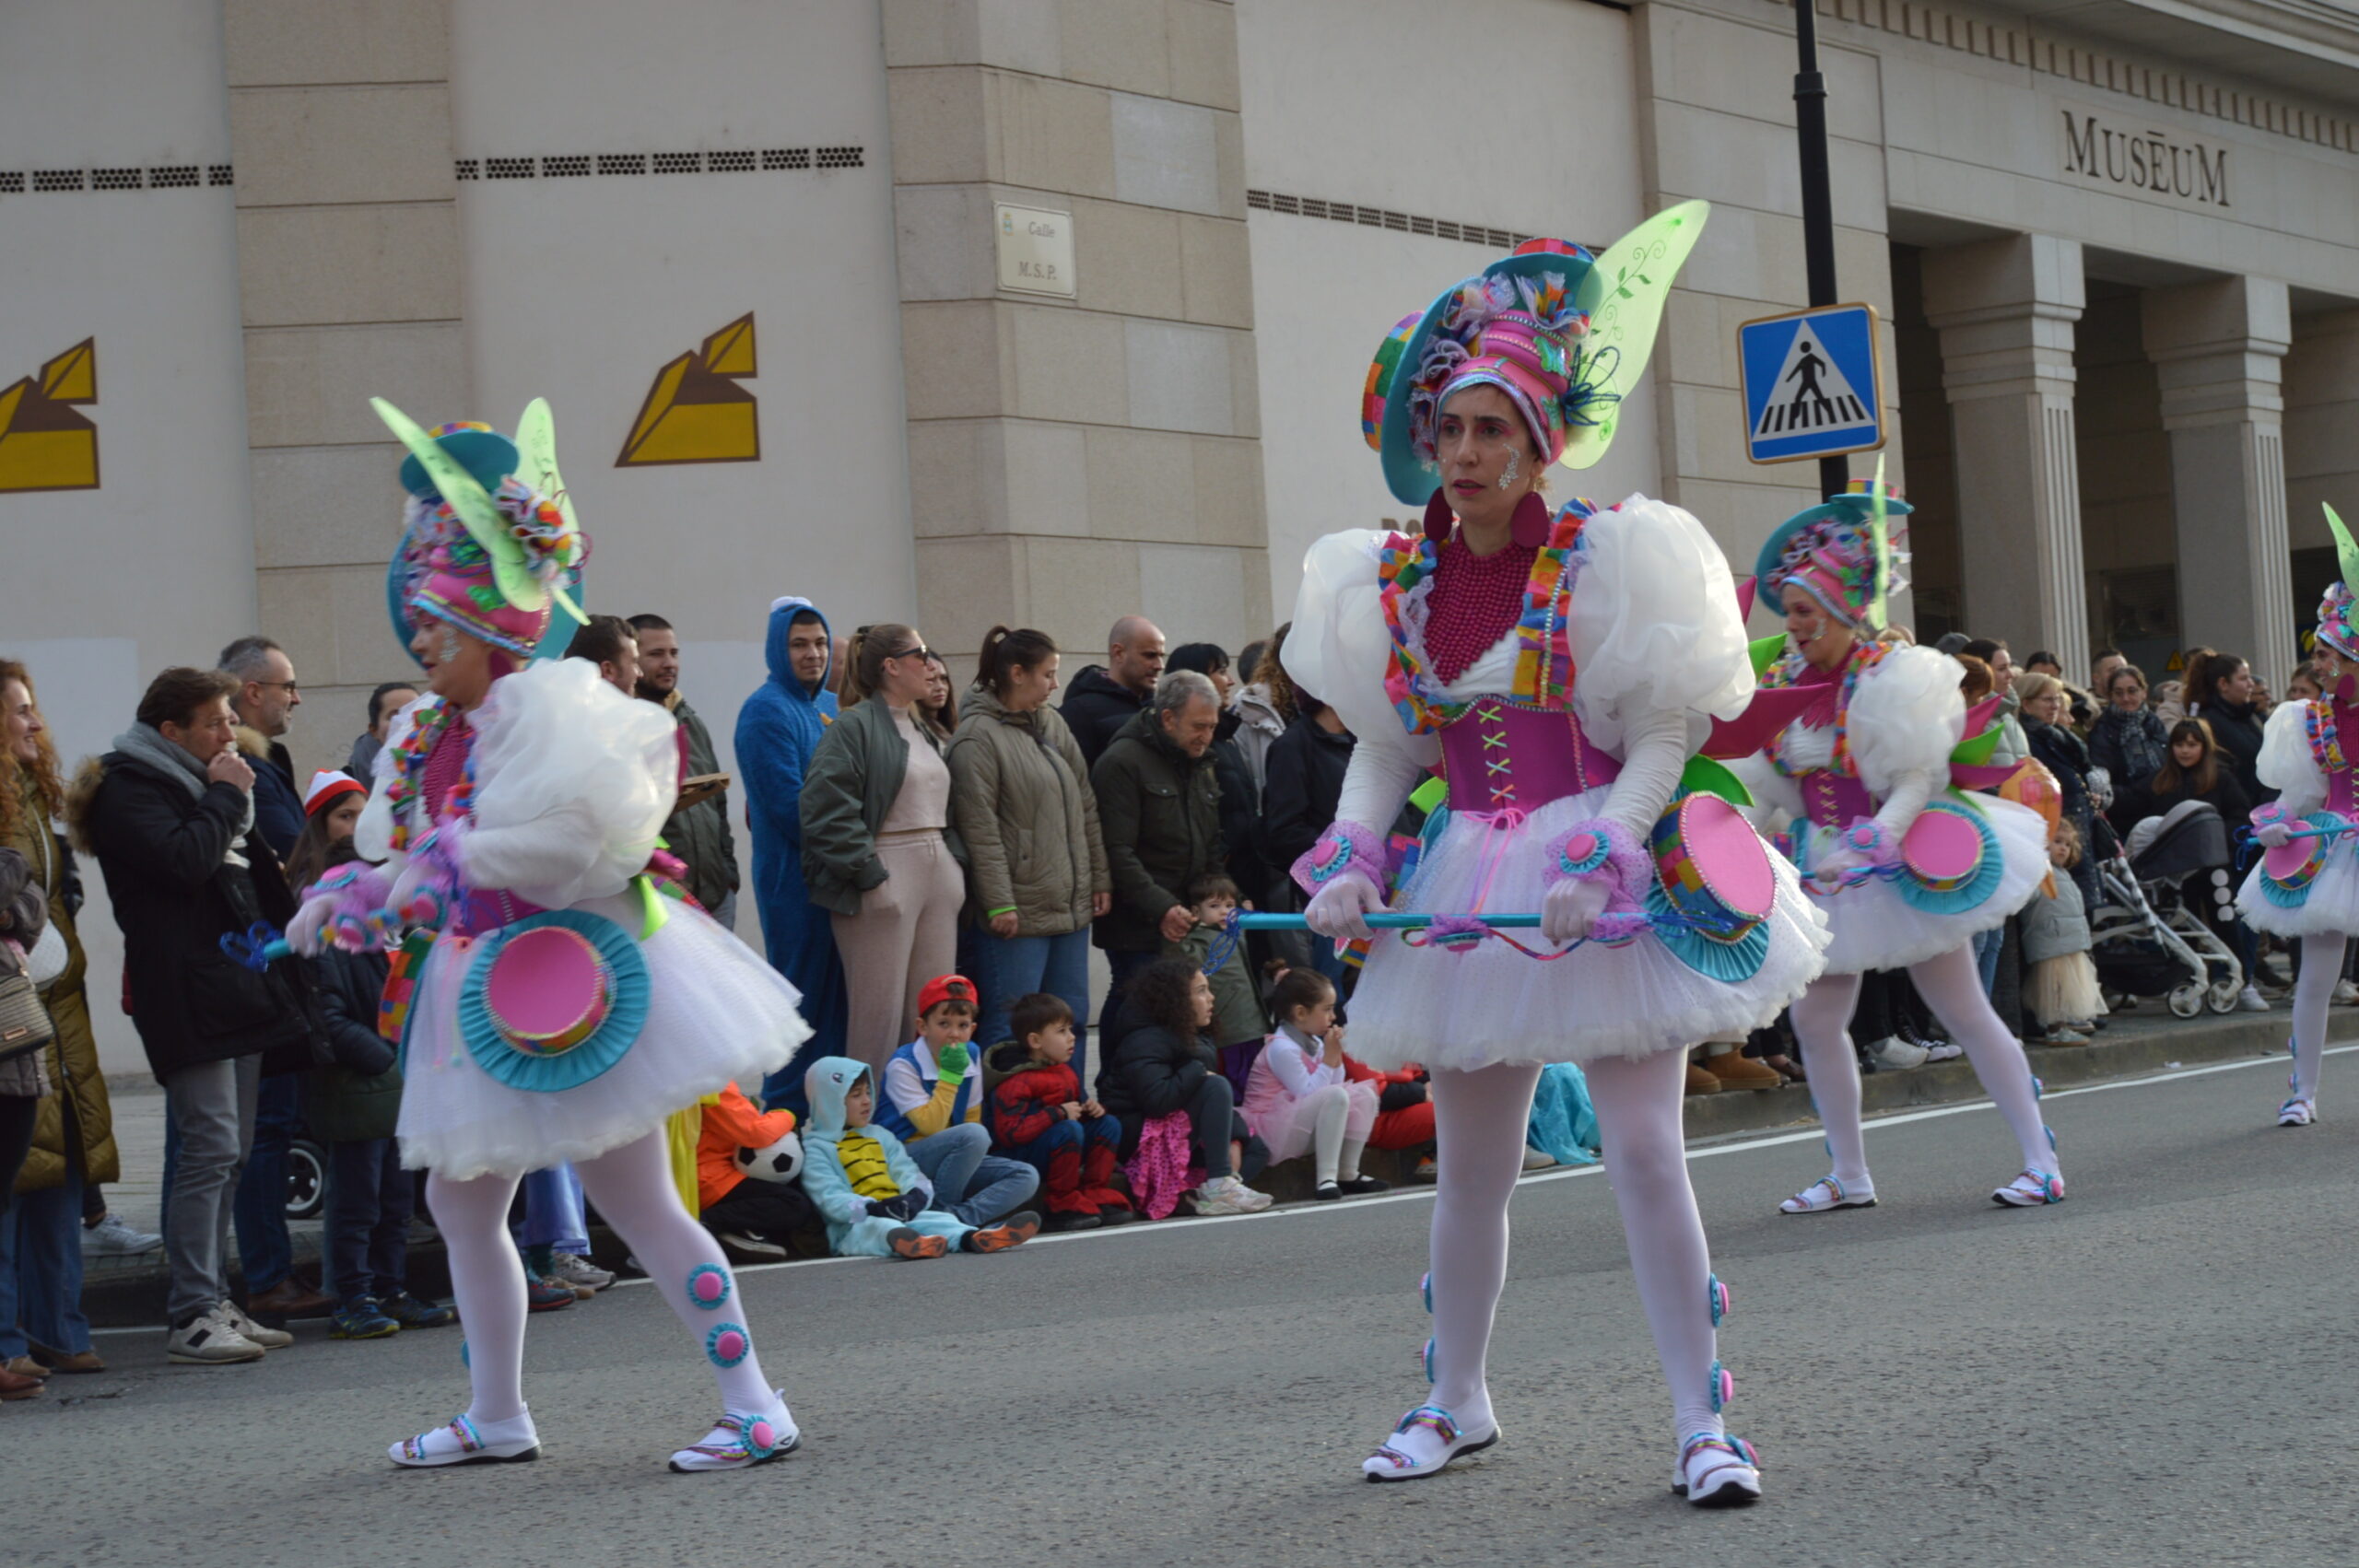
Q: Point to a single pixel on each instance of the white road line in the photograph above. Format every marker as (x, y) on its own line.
(1423, 1194)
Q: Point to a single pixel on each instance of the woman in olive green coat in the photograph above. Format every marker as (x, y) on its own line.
(1036, 862)
(73, 1145)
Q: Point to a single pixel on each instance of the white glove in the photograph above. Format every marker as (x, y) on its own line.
(2272, 836)
(1828, 872)
(1340, 908)
(1569, 908)
(307, 933)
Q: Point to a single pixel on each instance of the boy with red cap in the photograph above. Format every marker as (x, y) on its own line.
(933, 1101)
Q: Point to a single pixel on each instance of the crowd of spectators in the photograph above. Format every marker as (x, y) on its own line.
(932, 864)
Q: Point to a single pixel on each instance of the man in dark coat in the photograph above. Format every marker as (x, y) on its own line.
(169, 812)
(1158, 808)
(698, 832)
(1104, 698)
(264, 702)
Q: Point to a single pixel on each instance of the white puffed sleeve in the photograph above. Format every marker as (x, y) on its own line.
(573, 782)
(1905, 718)
(2287, 764)
(1654, 625)
(373, 834)
(1338, 651)
(1775, 799)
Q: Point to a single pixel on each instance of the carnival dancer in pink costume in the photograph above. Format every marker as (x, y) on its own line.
(2307, 887)
(1558, 670)
(1905, 868)
(551, 1005)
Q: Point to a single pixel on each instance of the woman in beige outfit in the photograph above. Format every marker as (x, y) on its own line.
(878, 848)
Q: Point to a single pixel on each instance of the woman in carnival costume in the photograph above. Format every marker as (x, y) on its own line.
(2307, 886)
(1557, 671)
(1906, 867)
(551, 1005)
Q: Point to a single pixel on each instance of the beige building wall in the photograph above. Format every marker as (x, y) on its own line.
(1074, 460)
(1715, 120)
(349, 281)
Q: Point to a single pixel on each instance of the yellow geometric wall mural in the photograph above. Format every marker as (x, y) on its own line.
(44, 444)
(695, 411)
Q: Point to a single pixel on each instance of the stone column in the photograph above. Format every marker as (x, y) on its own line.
(1075, 458)
(2005, 308)
(349, 275)
(2219, 350)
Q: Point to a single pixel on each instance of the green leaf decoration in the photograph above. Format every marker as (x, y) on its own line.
(1624, 294)
(1705, 777)
(474, 508)
(1766, 651)
(2346, 554)
(1975, 750)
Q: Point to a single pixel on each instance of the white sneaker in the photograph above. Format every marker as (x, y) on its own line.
(2249, 1000)
(210, 1341)
(1427, 1438)
(2299, 1111)
(1893, 1053)
(1227, 1195)
(1537, 1159)
(577, 1271)
(234, 1316)
(113, 1236)
(1827, 1193)
(2346, 994)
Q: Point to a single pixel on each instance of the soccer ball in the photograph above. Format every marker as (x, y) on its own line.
(781, 1161)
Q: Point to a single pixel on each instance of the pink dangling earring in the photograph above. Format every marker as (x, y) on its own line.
(1529, 527)
(1439, 519)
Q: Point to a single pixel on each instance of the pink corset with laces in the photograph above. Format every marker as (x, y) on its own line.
(1831, 800)
(1499, 756)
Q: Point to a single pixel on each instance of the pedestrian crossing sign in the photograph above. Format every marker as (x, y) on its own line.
(1814, 383)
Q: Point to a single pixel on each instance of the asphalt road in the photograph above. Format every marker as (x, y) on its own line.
(2157, 1372)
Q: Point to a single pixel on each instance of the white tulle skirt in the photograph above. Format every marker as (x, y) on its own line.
(1490, 1003)
(2332, 905)
(716, 1015)
(1875, 928)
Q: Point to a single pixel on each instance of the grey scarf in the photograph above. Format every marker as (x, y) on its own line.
(146, 743)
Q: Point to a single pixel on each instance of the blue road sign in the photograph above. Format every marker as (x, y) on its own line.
(1812, 383)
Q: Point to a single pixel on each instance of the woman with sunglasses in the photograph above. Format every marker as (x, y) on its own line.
(878, 850)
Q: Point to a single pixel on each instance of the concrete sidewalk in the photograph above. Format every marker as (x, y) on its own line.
(117, 1291)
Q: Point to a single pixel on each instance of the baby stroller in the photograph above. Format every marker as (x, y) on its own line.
(2147, 936)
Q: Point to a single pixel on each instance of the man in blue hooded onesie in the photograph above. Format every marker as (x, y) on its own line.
(778, 730)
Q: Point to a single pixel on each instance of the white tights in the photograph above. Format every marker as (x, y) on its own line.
(2321, 968)
(1952, 987)
(632, 1188)
(1479, 1121)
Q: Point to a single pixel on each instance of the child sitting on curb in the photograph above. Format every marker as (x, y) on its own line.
(1300, 1098)
(752, 1203)
(1038, 1114)
(866, 1187)
(934, 1103)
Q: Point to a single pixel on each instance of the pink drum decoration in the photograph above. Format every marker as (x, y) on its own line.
(1713, 867)
(1942, 849)
(2296, 862)
(548, 989)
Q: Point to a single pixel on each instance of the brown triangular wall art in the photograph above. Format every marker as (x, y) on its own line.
(695, 411)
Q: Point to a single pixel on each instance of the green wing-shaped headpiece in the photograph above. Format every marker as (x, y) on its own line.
(1624, 294)
(536, 465)
(473, 507)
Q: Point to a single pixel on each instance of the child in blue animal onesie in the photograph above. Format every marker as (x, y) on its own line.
(875, 1200)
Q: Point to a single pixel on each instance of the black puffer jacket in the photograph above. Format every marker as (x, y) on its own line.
(1306, 783)
(360, 1095)
(163, 852)
(1095, 707)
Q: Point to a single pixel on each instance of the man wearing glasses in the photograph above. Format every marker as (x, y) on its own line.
(266, 702)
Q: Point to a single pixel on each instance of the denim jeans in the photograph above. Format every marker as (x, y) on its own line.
(264, 1251)
(1012, 966)
(1987, 945)
(213, 1105)
(367, 1215)
(554, 1217)
(976, 1185)
(40, 1265)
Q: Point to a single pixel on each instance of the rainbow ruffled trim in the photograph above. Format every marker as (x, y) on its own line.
(1544, 665)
